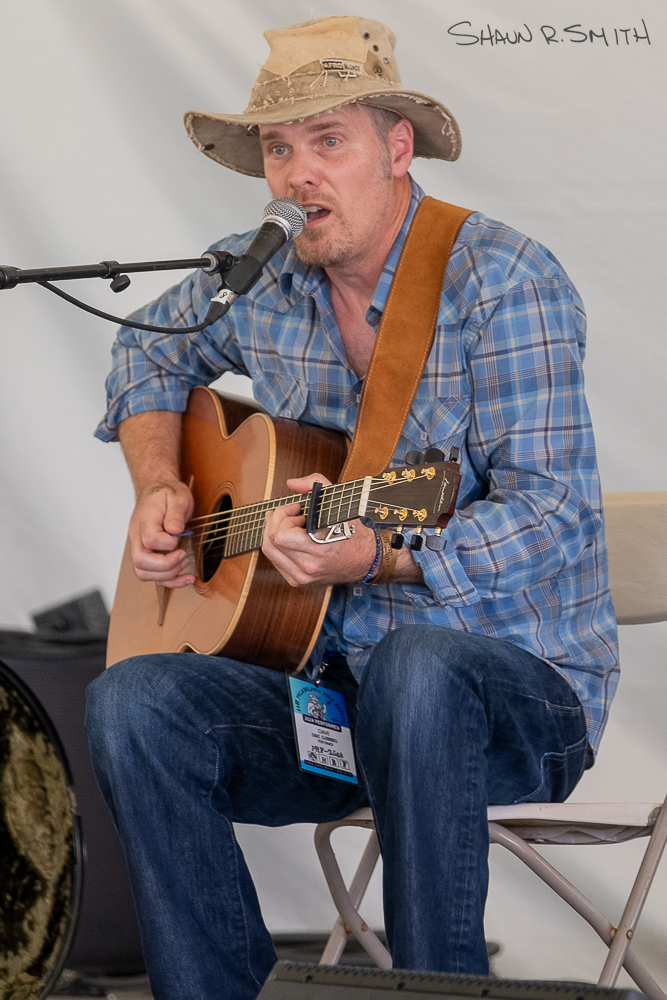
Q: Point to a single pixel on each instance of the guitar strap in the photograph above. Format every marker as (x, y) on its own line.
(405, 338)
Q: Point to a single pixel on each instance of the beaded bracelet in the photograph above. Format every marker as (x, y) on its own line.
(378, 556)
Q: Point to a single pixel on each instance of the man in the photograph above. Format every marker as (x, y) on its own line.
(479, 674)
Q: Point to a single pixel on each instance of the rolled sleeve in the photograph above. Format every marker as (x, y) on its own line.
(156, 371)
(445, 580)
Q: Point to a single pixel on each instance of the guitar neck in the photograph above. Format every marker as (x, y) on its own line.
(422, 496)
(242, 530)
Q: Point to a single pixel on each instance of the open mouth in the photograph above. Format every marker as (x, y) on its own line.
(316, 213)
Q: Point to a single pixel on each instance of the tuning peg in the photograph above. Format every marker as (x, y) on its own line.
(454, 455)
(417, 540)
(434, 455)
(436, 542)
(397, 539)
(414, 458)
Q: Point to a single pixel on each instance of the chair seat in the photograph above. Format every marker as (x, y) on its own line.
(360, 817)
(561, 822)
(577, 822)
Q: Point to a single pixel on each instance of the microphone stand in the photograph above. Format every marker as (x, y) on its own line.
(284, 219)
(211, 262)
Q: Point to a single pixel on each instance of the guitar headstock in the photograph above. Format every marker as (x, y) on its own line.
(422, 494)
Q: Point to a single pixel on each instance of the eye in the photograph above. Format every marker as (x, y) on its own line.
(279, 150)
(330, 141)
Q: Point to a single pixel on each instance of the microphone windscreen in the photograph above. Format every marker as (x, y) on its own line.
(290, 211)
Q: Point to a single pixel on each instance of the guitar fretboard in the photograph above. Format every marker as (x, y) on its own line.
(409, 496)
(242, 529)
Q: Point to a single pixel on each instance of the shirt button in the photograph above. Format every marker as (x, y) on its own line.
(288, 412)
(358, 397)
(423, 436)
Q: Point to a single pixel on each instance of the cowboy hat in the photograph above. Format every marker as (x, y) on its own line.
(316, 66)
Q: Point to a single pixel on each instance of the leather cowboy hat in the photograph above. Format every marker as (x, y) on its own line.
(316, 66)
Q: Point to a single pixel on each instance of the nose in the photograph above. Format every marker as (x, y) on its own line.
(303, 170)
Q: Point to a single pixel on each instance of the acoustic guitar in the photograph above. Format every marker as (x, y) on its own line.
(237, 460)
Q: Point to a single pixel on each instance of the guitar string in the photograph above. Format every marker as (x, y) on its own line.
(336, 498)
(294, 497)
(333, 496)
(252, 518)
(251, 532)
(246, 521)
(243, 532)
(249, 528)
(302, 498)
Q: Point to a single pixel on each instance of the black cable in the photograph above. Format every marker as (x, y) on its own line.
(126, 322)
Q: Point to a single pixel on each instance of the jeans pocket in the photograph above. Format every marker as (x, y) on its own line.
(559, 772)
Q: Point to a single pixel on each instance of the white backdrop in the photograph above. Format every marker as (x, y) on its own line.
(564, 140)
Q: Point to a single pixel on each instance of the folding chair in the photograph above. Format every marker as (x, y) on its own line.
(637, 540)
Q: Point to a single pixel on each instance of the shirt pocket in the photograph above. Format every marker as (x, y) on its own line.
(439, 423)
(281, 395)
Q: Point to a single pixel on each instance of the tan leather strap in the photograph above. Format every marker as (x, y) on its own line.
(385, 570)
(405, 337)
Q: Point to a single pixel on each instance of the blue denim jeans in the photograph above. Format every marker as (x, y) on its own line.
(445, 722)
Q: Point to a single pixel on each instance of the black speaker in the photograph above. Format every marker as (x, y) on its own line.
(296, 981)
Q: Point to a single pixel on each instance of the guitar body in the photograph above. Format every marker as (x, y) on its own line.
(242, 608)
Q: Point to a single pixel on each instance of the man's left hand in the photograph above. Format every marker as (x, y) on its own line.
(302, 561)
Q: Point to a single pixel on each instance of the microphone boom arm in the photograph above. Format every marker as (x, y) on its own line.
(212, 262)
(284, 219)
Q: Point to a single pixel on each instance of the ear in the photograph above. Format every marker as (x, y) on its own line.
(401, 147)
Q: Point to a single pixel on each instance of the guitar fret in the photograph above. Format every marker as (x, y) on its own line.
(259, 523)
(233, 532)
(257, 534)
(357, 499)
(340, 498)
(350, 494)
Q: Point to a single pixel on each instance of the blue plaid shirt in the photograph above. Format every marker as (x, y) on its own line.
(525, 559)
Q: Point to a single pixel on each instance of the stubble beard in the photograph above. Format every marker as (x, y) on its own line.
(316, 250)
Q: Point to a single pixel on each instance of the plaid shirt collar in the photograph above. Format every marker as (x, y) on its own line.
(298, 279)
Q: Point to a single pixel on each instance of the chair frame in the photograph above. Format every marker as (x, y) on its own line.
(618, 939)
(637, 544)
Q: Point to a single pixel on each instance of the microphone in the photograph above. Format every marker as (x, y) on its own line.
(283, 219)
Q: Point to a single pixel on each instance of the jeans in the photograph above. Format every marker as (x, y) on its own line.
(445, 722)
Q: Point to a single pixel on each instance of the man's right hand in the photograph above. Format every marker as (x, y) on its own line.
(151, 445)
(159, 517)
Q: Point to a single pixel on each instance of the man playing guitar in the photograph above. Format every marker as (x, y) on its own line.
(477, 674)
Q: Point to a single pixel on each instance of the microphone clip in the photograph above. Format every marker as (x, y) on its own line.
(220, 262)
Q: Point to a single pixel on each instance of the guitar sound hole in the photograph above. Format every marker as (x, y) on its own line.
(215, 539)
